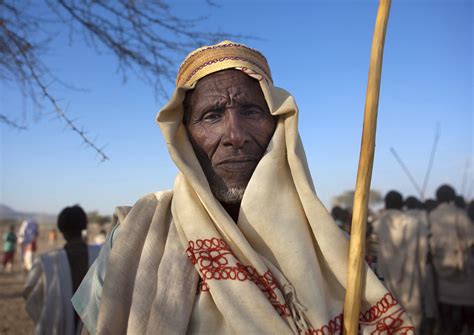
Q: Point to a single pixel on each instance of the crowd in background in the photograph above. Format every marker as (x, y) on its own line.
(423, 251)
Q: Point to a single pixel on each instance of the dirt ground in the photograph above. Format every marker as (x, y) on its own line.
(13, 317)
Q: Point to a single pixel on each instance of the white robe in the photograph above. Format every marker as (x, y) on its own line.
(48, 292)
(401, 259)
(426, 267)
(452, 244)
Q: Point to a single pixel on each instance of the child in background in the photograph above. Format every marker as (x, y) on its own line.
(9, 246)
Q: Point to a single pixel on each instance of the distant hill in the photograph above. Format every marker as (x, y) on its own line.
(8, 213)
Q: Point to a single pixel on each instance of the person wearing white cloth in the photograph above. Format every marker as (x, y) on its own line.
(55, 276)
(241, 244)
(452, 244)
(27, 238)
(401, 257)
(414, 208)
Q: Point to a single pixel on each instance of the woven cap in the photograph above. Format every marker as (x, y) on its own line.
(209, 59)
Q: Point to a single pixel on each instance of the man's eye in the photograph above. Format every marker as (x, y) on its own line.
(211, 116)
(251, 111)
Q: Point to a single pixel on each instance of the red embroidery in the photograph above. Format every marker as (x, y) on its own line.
(380, 308)
(267, 285)
(222, 46)
(391, 324)
(213, 255)
(221, 59)
(334, 326)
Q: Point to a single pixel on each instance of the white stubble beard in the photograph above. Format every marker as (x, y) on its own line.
(230, 195)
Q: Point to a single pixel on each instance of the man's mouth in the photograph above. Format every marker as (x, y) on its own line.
(237, 164)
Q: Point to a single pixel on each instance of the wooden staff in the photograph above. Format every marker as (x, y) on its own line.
(356, 270)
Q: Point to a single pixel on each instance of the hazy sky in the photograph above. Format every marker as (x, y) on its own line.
(318, 50)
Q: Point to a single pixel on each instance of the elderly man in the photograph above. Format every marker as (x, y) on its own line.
(241, 244)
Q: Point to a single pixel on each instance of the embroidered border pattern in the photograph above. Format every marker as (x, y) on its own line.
(380, 308)
(220, 46)
(334, 326)
(391, 324)
(222, 59)
(212, 257)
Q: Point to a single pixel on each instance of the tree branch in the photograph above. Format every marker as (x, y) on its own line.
(145, 38)
(4, 119)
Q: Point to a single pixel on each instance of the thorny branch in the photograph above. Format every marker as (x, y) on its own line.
(69, 122)
(145, 37)
(28, 70)
(11, 123)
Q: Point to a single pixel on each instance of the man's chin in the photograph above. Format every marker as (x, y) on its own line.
(229, 195)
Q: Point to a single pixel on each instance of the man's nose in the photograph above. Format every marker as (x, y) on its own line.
(235, 133)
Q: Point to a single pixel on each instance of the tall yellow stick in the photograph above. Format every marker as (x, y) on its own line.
(356, 271)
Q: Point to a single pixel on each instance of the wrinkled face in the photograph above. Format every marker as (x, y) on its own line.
(229, 125)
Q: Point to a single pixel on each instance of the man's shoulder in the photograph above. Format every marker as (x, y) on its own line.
(153, 198)
(143, 207)
(390, 214)
(444, 209)
(52, 253)
(49, 257)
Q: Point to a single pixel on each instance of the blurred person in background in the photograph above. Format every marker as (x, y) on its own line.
(100, 238)
(415, 208)
(342, 218)
(27, 238)
(56, 275)
(402, 254)
(470, 211)
(460, 202)
(452, 244)
(52, 237)
(9, 247)
(429, 205)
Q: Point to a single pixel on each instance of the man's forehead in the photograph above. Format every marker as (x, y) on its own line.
(226, 78)
(218, 87)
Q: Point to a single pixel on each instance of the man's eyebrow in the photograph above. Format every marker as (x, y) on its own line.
(205, 104)
(245, 100)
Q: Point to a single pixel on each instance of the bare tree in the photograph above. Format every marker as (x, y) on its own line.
(145, 37)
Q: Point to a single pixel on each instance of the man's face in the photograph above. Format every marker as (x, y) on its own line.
(229, 125)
